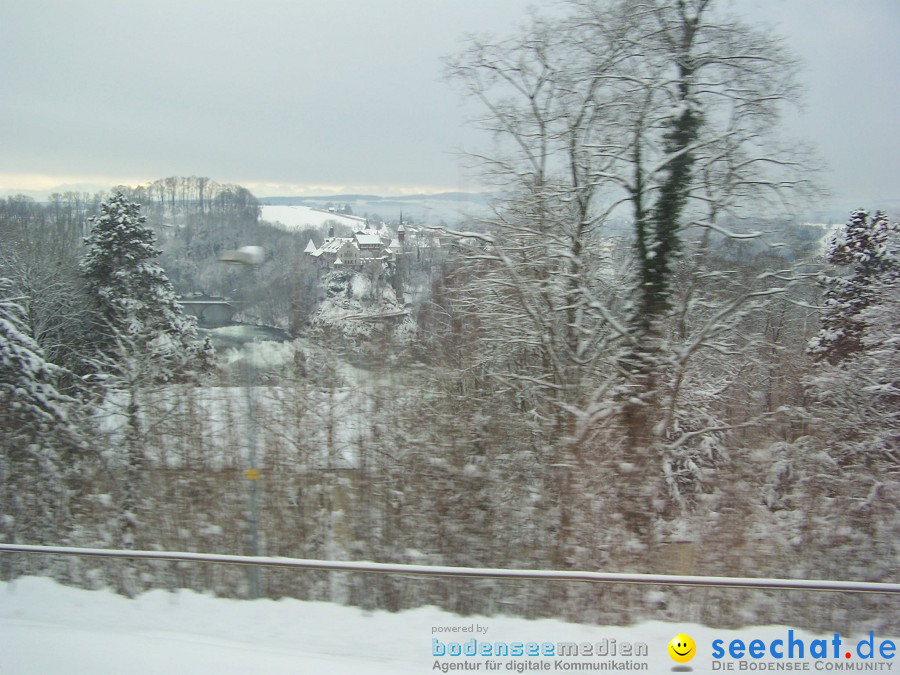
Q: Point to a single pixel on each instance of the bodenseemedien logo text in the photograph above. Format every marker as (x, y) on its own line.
(475, 647)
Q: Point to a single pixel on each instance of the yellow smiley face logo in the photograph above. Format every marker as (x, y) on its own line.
(682, 648)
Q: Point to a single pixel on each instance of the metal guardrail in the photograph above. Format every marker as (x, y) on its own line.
(466, 572)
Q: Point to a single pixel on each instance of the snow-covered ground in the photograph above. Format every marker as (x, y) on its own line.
(48, 628)
(451, 209)
(298, 217)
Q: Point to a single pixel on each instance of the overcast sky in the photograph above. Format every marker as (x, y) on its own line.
(327, 96)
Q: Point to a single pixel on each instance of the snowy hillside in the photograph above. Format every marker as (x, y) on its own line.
(361, 312)
(48, 628)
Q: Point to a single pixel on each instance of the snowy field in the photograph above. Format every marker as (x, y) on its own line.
(424, 209)
(48, 628)
(299, 217)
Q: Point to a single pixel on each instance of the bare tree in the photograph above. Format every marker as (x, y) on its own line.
(39, 433)
(57, 312)
(661, 115)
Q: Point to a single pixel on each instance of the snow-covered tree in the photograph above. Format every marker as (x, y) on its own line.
(857, 383)
(842, 482)
(36, 432)
(622, 340)
(844, 479)
(855, 389)
(867, 248)
(136, 298)
(44, 271)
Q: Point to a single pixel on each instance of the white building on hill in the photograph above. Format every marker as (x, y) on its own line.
(365, 246)
(358, 249)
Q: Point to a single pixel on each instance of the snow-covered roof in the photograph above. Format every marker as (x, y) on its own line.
(310, 247)
(334, 245)
(366, 239)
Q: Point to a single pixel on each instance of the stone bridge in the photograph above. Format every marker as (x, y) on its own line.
(387, 317)
(211, 311)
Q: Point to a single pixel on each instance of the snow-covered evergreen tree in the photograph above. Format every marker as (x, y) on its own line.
(135, 296)
(36, 431)
(849, 472)
(868, 246)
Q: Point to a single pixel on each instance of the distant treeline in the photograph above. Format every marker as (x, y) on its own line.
(186, 200)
